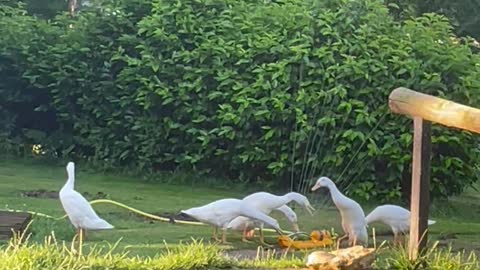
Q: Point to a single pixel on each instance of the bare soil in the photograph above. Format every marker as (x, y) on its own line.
(52, 194)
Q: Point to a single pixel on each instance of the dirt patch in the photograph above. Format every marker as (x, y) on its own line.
(51, 194)
(127, 215)
(40, 193)
(139, 218)
(97, 196)
(447, 236)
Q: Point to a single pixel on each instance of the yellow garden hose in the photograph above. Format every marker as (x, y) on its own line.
(155, 217)
(151, 216)
(142, 213)
(31, 212)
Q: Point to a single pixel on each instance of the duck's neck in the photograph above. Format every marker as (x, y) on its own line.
(338, 198)
(70, 181)
(291, 196)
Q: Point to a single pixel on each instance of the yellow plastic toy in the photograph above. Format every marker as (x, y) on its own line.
(317, 239)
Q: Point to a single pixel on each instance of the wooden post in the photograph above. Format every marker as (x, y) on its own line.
(424, 108)
(420, 197)
(72, 6)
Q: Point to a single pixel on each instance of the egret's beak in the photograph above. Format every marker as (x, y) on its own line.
(295, 227)
(315, 187)
(310, 209)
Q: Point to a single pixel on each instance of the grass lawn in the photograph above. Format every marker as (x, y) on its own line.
(458, 221)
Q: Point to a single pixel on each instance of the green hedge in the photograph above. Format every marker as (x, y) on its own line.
(22, 38)
(463, 14)
(269, 91)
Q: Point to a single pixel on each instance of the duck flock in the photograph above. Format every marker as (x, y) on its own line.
(253, 211)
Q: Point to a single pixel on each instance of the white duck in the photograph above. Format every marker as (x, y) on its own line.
(398, 218)
(221, 212)
(267, 202)
(247, 226)
(79, 211)
(353, 217)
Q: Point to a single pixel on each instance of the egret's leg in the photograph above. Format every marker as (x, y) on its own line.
(81, 242)
(354, 241)
(402, 239)
(339, 240)
(262, 237)
(78, 234)
(251, 233)
(245, 234)
(76, 239)
(214, 236)
(395, 238)
(224, 236)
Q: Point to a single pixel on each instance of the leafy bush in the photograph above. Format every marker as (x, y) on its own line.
(462, 14)
(21, 37)
(252, 90)
(402, 9)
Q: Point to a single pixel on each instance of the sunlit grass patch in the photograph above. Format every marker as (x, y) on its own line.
(272, 259)
(21, 253)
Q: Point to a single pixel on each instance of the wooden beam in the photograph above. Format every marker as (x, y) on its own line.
(420, 198)
(423, 109)
(434, 109)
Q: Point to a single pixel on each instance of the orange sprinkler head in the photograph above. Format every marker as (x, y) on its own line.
(315, 235)
(317, 239)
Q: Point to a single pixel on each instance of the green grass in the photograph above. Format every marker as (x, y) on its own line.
(434, 258)
(52, 255)
(458, 221)
(21, 253)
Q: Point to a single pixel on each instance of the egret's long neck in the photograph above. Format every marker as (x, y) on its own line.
(70, 180)
(338, 198)
(258, 215)
(291, 196)
(288, 213)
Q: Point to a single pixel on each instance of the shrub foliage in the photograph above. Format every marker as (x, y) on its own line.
(250, 90)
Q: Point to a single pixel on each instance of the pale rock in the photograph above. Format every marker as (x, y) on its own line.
(354, 258)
